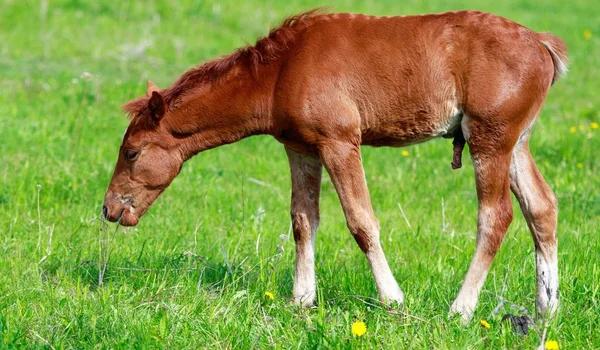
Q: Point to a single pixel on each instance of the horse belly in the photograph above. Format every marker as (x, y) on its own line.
(407, 126)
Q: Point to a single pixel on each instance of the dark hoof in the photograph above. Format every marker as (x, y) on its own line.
(520, 324)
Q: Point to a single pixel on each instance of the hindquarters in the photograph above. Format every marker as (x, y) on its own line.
(505, 75)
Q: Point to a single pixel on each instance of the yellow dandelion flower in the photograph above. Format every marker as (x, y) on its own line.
(359, 329)
(580, 127)
(579, 165)
(573, 129)
(587, 34)
(594, 125)
(551, 345)
(485, 324)
(405, 153)
(269, 295)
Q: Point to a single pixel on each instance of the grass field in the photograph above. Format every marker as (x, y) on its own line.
(193, 273)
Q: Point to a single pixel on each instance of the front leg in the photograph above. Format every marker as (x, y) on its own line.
(343, 162)
(306, 186)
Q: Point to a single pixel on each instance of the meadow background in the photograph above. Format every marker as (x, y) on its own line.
(194, 272)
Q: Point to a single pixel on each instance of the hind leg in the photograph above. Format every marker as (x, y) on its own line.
(491, 160)
(494, 217)
(540, 209)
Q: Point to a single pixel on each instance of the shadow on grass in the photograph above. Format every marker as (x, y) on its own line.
(170, 268)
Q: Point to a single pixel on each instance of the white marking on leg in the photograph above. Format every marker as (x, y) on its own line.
(304, 276)
(466, 301)
(547, 284)
(387, 287)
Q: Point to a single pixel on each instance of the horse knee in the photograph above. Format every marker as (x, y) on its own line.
(493, 224)
(304, 225)
(366, 234)
(543, 219)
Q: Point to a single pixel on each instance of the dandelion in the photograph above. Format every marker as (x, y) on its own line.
(485, 324)
(269, 295)
(359, 329)
(573, 130)
(580, 127)
(587, 34)
(579, 165)
(551, 345)
(594, 125)
(405, 153)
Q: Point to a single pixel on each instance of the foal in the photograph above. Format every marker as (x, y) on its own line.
(325, 84)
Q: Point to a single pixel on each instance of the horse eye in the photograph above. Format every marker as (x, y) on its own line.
(130, 155)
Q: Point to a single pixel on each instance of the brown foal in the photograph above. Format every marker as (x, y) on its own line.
(325, 84)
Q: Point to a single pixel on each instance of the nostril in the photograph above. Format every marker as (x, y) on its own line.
(105, 211)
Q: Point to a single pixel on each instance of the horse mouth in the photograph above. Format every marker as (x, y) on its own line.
(124, 217)
(128, 218)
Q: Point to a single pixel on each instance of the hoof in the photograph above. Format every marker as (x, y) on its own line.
(391, 300)
(305, 300)
(520, 324)
(464, 312)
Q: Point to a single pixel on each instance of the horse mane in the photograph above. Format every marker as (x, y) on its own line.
(265, 50)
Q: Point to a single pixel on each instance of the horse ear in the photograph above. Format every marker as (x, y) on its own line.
(151, 88)
(156, 106)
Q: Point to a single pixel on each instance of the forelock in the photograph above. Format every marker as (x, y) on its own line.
(135, 108)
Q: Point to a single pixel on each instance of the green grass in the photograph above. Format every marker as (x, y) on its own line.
(194, 272)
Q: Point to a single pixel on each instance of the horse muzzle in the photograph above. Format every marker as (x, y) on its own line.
(117, 209)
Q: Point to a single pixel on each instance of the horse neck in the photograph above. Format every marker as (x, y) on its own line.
(226, 112)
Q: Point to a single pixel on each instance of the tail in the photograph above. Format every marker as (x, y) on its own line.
(558, 51)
